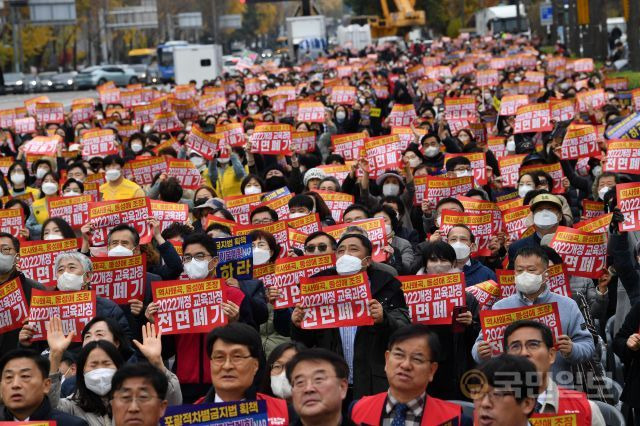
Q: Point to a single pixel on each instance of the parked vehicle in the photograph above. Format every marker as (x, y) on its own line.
(32, 83)
(94, 76)
(64, 81)
(46, 80)
(14, 82)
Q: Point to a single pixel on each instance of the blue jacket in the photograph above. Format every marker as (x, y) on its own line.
(477, 273)
(531, 241)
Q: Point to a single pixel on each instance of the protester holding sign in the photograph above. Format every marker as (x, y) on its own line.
(117, 187)
(463, 242)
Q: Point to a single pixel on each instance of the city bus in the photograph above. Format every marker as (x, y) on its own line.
(165, 58)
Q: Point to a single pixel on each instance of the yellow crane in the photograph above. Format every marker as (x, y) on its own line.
(391, 22)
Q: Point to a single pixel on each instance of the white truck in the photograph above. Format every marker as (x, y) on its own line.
(307, 36)
(354, 36)
(197, 62)
(501, 19)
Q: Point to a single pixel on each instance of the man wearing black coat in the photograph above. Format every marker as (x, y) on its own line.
(362, 347)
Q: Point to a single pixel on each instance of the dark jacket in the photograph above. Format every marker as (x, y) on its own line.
(45, 412)
(172, 267)
(108, 308)
(254, 290)
(531, 241)
(370, 341)
(477, 273)
(625, 265)
(631, 359)
(9, 340)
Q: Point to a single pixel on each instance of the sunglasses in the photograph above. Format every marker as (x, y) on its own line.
(321, 248)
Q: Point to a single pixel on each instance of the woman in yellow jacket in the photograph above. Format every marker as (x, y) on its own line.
(227, 174)
(49, 190)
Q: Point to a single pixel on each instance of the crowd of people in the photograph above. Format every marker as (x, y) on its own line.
(454, 110)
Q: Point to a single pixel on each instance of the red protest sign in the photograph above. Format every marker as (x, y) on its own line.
(628, 196)
(303, 142)
(335, 301)
(402, 115)
(290, 270)
(507, 282)
(623, 156)
(205, 144)
(479, 224)
(232, 134)
(478, 165)
(279, 230)
(343, 95)
(497, 145)
(510, 104)
(554, 170)
(558, 281)
(584, 254)
(475, 206)
(167, 122)
(189, 306)
(591, 209)
(494, 322)
(74, 308)
(81, 113)
(487, 78)
(12, 221)
(486, 293)
(382, 153)
(168, 213)
(143, 170)
(533, 118)
(595, 99)
(583, 65)
(241, 205)
(516, 221)
(310, 112)
(186, 173)
(439, 187)
(510, 168)
(74, 210)
(462, 107)
(119, 279)
(580, 141)
(280, 205)
(24, 125)
(14, 306)
(98, 143)
(37, 258)
(375, 232)
(349, 145)
(562, 110)
(307, 224)
(274, 139)
(337, 203)
(42, 145)
(431, 298)
(596, 224)
(107, 214)
(49, 112)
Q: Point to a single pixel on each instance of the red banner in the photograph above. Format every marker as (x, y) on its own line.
(119, 279)
(13, 304)
(478, 165)
(628, 196)
(74, 210)
(595, 99)
(167, 122)
(343, 95)
(596, 224)
(74, 308)
(98, 143)
(349, 145)
(479, 224)
(623, 156)
(510, 104)
(335, 301)
(12, 221)
(510, 168)
(487, 78)
(303, 142)
(310, 112)
(580, 141)
(37, 258)
(189, 306)
(515, 221)
(375, 232)
(486, 293)
(168, 213)
(203, 143)
(232, 134)
(290, 270)
(591, 209)
(274, 139)
(49, 112)
(42, 145)
(558, 281)
(431, 298)
(186, 173)
(382, 153)
(563, 110)
(279, 230)
(584, 254)
(107, 214)
(462, 107)
(241, 205)
(143, 170)
(533, 118)
(402, 115)
(439, 187)
(24, 125)
(337, 203)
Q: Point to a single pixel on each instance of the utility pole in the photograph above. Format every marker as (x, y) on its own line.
(215, 22)
(633, 34)
(102, 22)
(518, 27)
(15, 25)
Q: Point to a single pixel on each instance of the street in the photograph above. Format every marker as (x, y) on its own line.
(13, 100)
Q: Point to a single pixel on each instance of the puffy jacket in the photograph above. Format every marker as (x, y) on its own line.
(477, 273)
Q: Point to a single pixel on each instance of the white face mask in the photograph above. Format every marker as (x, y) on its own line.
(49, 188)
(223, 160)
(462, 250)
(197, 269)
(98, 381)
(6, 262)
(197, 161)
(388, 230)
(348, 265)
(136, 147)
(112, 174)
(17, 178)
(431, 151)
(524, 190)
(415, 162)
(340, 115)
(71, 194)
(511, 145)
(119, 251)
(40, 172)
(597, 171)
(545, 219)
(281, 386)
(53, 237)
(528, 283)
(603, 191)
(1, 192)
(70, 282)
(252, 111)
(251, 190)
(438, 267)
(464, 173)
(261, 256)
(392, 189)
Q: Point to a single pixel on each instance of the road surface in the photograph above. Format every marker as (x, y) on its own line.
(13, 101)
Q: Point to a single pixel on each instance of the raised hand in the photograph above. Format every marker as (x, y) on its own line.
(151, 346)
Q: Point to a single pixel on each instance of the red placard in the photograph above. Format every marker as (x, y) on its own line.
(635, 99)
(431, 298)
(462, 107)
(12, 221)
(402, 115)
(510, 104)
(98, 143)
(558, 281)
(205, 144)
(24, 125)
(479, 224)
(119, 279)
(37, 258)
(383, 154)
(337, 203)
(478, 165)
(274, 139)
(279, 230)
(74, 210)
(494, 322)
(349, 145)
(563, 110)
(167, 122)
(591, 209)
(290, 270)
(439, 187)
(252, 86)
(515, 221)
(497, 145)
(507, 282)
(307, 224)
(533, 118)
(232, 134)
(303, 142)
(189, 306)
(554, 170)
(616, 83)
(596, 224)
(584, 254)
(580, 141)
(14, 306)
(212, 105)
(623, 156)
(144, 169)
(81, 113)
(186, 173)
(49, 112)
(310, 112)
(583, 65)
(107, 214)
(42, 145)
(592, 98)
(74, 308)
(109, 96)
(510, 168)
(168, 213)
(375, 232)
(486, 293)
(628, 196)
(335, 301)
(6, 118)
(343, 95)
(241, 205)
(487, 78)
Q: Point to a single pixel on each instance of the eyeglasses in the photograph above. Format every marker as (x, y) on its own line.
(141, 399)
(234, 359)
(416, 360)
(493, 395)
(6, 250)
(199, 257)
(277, 368)
(321, 248)
(531, 345)
(262, 221)
(316, 381)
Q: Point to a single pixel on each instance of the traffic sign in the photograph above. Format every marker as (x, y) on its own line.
(546, 14)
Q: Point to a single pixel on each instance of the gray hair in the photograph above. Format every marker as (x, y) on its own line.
(87, 266)
(354, 229)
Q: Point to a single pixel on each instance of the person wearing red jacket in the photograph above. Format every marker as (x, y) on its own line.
(236, 356)
(410, 364)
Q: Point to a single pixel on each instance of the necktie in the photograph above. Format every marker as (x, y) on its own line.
(400, 414)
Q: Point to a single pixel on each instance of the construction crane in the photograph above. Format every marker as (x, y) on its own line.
(392, 23)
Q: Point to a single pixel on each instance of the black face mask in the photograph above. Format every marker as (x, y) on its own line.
(275, 182)
(199, 201)
(232, 112)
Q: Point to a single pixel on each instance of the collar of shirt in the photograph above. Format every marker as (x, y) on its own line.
(217, 399)
(540, 299)
(468, 262)
(549, 398)
(415, 405)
